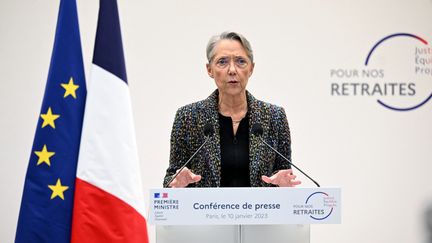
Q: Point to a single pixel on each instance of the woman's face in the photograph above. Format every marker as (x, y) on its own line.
(230, 67)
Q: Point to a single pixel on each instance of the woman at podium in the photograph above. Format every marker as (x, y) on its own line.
(216, 135)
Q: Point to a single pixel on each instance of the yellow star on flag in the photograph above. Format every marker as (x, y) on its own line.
(70, 88)
(49, 118)
(44, 156)
(58, 189)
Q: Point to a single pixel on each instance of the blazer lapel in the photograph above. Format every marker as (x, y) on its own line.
(213, 158)
(255, 144)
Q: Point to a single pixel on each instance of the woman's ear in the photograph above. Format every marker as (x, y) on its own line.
(209, 70)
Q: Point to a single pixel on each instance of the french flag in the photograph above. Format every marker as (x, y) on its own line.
(109, 201)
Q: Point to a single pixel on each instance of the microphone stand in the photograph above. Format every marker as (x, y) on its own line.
(281, 155)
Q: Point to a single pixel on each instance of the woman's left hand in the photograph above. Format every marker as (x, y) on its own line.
(283, 178)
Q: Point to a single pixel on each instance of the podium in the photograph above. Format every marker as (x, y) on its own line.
(246, 215)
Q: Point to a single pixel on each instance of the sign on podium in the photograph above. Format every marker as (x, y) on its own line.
(233, 206)
(241, 214)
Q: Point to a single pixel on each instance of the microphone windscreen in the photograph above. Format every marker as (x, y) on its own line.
(208, 129)
(257, 129)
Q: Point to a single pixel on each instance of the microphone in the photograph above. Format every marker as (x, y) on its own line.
(208, 133)
(258, 131)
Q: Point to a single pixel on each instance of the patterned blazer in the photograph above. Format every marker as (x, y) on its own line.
(187, 135)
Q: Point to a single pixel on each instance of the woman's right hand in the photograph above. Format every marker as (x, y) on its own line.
(184, 178)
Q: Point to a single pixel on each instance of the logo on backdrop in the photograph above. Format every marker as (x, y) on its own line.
(397, 73)
(318, 206)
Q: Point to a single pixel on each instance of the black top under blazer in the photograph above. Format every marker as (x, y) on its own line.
(187, 135)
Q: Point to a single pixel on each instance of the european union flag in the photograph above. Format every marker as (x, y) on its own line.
(47, 202)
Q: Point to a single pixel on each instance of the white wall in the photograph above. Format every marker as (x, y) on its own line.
(380, 158)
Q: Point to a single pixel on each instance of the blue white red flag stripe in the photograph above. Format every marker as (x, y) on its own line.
(109, 201)
(108, 50)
